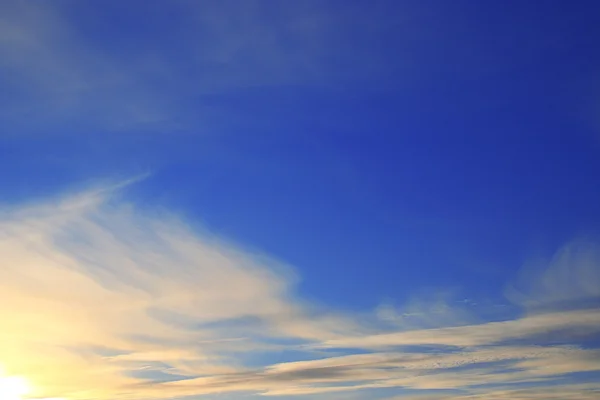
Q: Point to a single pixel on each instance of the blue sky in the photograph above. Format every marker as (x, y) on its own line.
(311, 199)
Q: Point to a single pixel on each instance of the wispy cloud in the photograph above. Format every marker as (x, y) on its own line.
(84, 274)
(552, 392)
(54, 76)
(570, 279)
(101, 298)
(59, 76)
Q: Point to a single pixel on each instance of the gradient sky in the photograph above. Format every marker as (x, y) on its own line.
(328, 199)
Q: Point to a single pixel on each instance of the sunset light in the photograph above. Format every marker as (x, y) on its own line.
(13, 388)
(299, 200)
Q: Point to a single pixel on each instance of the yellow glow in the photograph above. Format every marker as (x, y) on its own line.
(13, 388)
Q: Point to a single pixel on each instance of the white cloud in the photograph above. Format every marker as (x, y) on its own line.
(570, 278)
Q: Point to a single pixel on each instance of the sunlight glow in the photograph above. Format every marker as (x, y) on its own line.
(13, 388)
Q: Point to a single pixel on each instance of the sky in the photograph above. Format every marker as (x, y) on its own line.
(308, 200)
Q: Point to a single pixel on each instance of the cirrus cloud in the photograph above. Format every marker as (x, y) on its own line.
(102, 298)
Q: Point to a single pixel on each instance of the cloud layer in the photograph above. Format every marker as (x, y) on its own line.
(101, 298)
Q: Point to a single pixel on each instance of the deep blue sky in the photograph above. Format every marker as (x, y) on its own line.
(437, 144)
(382, 148)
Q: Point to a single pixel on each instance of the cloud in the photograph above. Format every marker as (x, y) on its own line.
(435, 308)
(85, 273)
(572, 391)
(473, 335)
(55, 76)
(102, 298)
(58, 74)
(571, 278)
